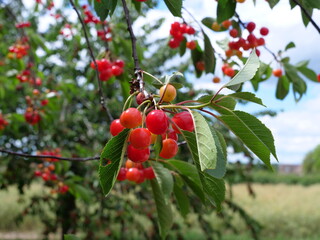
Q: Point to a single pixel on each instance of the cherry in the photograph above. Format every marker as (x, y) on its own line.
(116, 70)
(168, 93)
(106, 74)
(37, 173)
(184, 121)
(318, 77)
(45, 176)
(138, 155)
(122, 174)
(191, 45)
(229, 53)
(131, 118)
(190, 30)
(233, 33)
(215, 26)
(258, 52)
(44, 102)
(140, 98)
(130, 164)
(251, 26)
(133, 174)
(157, 122)
(251, 38)
(216, 80)
(175, 26)
(200, 66)
(264, 31)
(116, 127)
(119, 63)
(170, 134)
(149, 173)
(140, 138)
(169, 148)
(229, 72)
(174, 43)
(260, 41)
(277, 72)
(63, 189)
(141, 178)
(226, 23)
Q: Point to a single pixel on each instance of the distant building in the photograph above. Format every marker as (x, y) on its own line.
(290, 169)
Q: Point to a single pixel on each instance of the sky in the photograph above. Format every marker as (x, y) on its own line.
(296, 128)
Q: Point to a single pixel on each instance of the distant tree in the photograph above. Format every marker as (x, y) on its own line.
(311, 162)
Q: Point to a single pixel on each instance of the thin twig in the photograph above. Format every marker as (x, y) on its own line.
(102, 99)
(137, 70)
(307, 15)
(49, 156)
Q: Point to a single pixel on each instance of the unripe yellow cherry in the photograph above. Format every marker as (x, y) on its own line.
(169, 92)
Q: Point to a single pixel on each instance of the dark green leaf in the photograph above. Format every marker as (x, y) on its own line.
(299, 86)
(174, 6)
(312, 3)
(111, 160)
(197, 56)
(105, 7)
(290, 45)
(282, 87)
(182, 200)
(177, 76)
(70, 237)
(164, 178)
(209, 58)
(175, 84)
(310, 74)
(208, 21)
(305, 18)
(157, 146)
(247, 96)
(183, 47)
(164, 212)
(227, 102)
(272, 3)
(225, 10)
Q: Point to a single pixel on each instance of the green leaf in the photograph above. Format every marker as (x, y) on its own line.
(299, 86)
(164, 178)
(174, 7)
(290, 45)
(80, 192)
(111, 160)
(213, 188)
(164, 212)
(282, 87)
(273, 3)
(157, 146)
(209, 58)
(177, 76)
(251, 131)
(105, 7)
(70, 237)
(308, 73)
(206, 147)
(221, 100)
(183, 47)
(197, 56)
(312, 3)
(175, 84)
(247, 72)
(247, 96)
(305, 19)
(225, 10)
(182, 200)
(208, 21)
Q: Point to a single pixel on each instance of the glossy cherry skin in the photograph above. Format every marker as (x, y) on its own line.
(140, 138)
(277, 72)
(116, 127)
(138, 155)
(122, 174)
(131, 118)
(157, 122)
(149, 173)
(168, 93)
(169, 148)
(184, 121)
(133, 174)
(141, 178)
(170, 134)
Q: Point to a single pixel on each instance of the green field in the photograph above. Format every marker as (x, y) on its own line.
(285, 211)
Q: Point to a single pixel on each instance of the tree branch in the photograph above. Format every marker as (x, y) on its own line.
(307, 15)
(102, 99)
(49, 156)
(137, 70)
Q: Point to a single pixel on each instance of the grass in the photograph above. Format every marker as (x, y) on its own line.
(285, 211)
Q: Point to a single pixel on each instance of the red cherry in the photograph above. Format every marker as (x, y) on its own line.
(106, 74)
(45, 176)
(264, 31)
(170, 134)
(173, 43)
(184, 121)
(133, 174)
(44, 102)
(318, 77)
(37, 173)
(122, 174)
(140, 138)
(251, 38)
(116, 127)
(103, 64)
(116, 70)
(138, 155)
(63, 189)
(175, 26)
(200, 66)
(190, 30)
(140, 98)
(277, 72)
(251, 26)
(258, 52)
(131, 118)
(141, 178)
(169, 148)
(149, 173)
(191, 45)
(260, 41)
(119, 63)
(229, 72)
(233, 33)
(183, 28)
(157, 122)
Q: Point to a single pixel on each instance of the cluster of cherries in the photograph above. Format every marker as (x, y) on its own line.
(108, 69)
(89, 18)
(135, 172)
(177, 31)
(25, 76)
(46, 171)
(105, 34)
(23, 24)
(19, 50)
(32, 115)
(3, 122)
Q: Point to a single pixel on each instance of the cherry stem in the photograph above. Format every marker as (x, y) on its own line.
(49, 156)
(102, 99)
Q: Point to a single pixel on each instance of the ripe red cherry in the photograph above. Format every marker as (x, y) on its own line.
(122, 174)
(133, 174)
(140, 138)
(260, 41)
(140, 98)
(264, 31)
(138, 155)
(229, 72)
(175, 26)
(277, 72)
(149, 173)
(190, 30)
(318, 77)
(116, 127)
(233, 33)
(174, 43)
(157, 122)
(251, 26)
(191, 45)
(119, 63)
(169, 148)
(116, 70)
(184, 121)
(141, 178)
(131, 118)
(170, 134)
